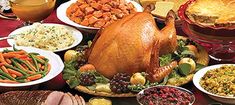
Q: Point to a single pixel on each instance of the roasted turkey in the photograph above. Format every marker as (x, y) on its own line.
(134, 44)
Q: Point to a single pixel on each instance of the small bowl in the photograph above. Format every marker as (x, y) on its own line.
(197, 77)
(141, 93)
(61, 14)
(56, 68)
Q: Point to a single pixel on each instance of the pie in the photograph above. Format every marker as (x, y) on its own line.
(212, 12)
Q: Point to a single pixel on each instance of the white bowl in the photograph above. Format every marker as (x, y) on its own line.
(197, 77)
(55, 61)
(61, 15)
(77, 35)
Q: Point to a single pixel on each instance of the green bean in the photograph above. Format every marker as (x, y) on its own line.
(34, 53)
(14, 48)
(6, 75)
(21, 61)
(3, 77)
(24, 77)
(40, 60)
(7, 50)
(34, 61)
(17, 69)
(46, 66)
(21, 80)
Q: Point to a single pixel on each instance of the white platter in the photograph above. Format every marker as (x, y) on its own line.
(55, 61)
(77, 35)
(61, 15)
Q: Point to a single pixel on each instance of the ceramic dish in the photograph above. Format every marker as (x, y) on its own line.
(184, 17)
(61, 14)
(157, 91)
(197, 77)
(55, 61)
(77, 35)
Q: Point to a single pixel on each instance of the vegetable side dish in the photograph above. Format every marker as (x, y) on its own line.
(18, 66)
(45, 37)
(220, 81)
(98, 13)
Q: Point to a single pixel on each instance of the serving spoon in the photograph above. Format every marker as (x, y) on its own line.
(8, 37)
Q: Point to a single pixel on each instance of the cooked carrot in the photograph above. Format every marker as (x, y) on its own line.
(39, 65)
(2, 58)
(7, 55)
(4, 69)
(8, 81)
(2, 64)
(21, 52)
(30, 64)
(8, 61)
(13, 75)
(34, 77)
(22, 56)
(15, 72)
(39, 56)
(42, 67)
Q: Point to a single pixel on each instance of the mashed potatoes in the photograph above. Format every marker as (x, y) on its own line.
(45, 37)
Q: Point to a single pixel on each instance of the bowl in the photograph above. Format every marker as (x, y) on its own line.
(77, 35)
(166, 92)
(56, 68)
(197, 77)
(61, 14)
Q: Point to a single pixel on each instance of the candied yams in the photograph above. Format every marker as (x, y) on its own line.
(212, 12)
(98, 13)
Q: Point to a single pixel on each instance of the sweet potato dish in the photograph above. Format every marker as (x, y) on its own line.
(99, 13)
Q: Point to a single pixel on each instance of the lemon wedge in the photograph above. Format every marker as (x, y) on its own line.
(162, 8)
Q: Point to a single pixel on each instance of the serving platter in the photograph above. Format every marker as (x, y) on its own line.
(55, 61)
(202, 58)
(61, 15)
(77, 35)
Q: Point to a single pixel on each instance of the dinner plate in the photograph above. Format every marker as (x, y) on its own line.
(55, 61)
(77, 35)
(61, 15)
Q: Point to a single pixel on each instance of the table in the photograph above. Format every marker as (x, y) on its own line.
(7, 26)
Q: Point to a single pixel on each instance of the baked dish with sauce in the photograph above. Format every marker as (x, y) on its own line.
(212, 12)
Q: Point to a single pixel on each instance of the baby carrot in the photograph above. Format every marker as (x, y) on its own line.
(8, 61)
(30, 65)
(7, 55)
(34, 77)
(21, 52)
(4, 69)
(13, 75)
(8, 81)
(15, 72)
(2, 58)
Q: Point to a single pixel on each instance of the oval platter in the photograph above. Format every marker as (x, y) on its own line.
(202, 58)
